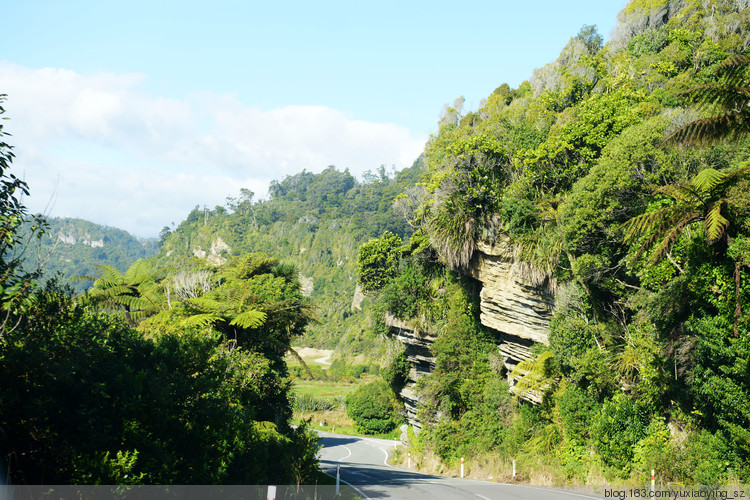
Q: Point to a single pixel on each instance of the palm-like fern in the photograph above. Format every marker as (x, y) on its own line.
(726, 100)
(136, 293)
(703, 198)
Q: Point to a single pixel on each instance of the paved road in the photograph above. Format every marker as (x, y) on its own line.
(364, 466)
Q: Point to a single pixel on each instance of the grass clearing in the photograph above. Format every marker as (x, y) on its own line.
(322, 388)
(338, 423)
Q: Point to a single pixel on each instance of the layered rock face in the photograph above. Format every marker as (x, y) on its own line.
(519, 310)
(510, 303)
(420, 358)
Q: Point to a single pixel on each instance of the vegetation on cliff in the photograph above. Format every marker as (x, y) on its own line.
(620, 172)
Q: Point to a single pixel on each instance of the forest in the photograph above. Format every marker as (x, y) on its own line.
(619, 174)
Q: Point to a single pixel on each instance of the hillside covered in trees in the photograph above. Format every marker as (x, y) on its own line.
(76, 247)
(317, 222)
(618, 175)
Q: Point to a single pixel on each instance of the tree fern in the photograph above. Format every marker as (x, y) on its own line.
(200, 320)
(727, 100)
(249, 319)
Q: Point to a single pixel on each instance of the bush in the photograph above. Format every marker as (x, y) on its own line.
(620, 425)
(306, 402)
(373, 408)
(397, 372)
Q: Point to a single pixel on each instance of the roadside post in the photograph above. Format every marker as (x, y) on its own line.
(271, 495)
(408, 460)
(653, 482)
(514, 468)
(462, 467)
(338, 478)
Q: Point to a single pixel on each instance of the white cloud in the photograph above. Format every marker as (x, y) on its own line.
(111, 153)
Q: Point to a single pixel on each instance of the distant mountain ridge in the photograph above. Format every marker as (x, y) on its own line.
(75, 247)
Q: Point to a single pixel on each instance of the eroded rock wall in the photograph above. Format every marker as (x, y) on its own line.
(511, 304)
(418, 351)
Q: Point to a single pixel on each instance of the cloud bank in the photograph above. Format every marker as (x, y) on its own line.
(100, 148)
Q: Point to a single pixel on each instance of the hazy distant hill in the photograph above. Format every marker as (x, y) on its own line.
(74, 247)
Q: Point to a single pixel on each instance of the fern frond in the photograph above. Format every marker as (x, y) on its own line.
(715, 223)
(673, 234)
(109, 273)
(249, 319)
(206, 304)
(138, 272)
(707, 179)
(112, 291)
(200, 320)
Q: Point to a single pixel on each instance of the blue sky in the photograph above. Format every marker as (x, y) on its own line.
(132, 113)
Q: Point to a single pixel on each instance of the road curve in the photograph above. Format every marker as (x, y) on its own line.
(364, 466)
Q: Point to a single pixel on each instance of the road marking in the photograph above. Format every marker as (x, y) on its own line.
(349, 455)
(482, 496)
(349, 484)
(385, 462)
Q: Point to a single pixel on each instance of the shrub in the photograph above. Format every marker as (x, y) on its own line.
(620, 425)
(373, 407)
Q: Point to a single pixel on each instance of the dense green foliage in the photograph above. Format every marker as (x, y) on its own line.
(197, 394)
(89, 400)
(373, 407)
(643, 239)
(317, 222)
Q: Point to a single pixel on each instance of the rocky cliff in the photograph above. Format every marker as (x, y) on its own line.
(418, 352)
(512, 304)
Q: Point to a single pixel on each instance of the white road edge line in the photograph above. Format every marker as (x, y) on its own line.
(349, 455)
(348, 484)
(482, 496)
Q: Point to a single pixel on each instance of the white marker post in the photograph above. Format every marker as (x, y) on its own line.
(338, 478)
(408, 461)
(271, 495)
(653, 482)
(462, 467)
(514, 468)
(395, 443)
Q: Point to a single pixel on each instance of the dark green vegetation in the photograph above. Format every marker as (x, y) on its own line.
(373, 407)
(198, 393)
(620, 173)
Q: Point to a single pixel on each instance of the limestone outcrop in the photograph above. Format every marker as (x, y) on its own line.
(215, 254)
(418, 352)
(510, 302)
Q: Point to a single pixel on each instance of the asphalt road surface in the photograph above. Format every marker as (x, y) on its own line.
(364, 466)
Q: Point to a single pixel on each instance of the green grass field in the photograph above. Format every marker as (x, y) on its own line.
(323, 389)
